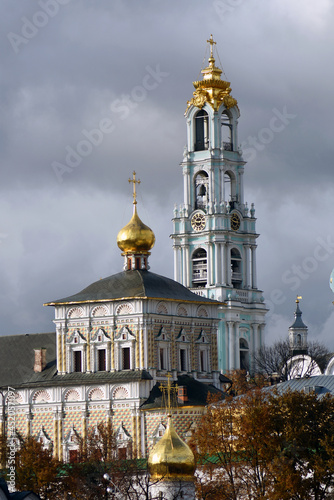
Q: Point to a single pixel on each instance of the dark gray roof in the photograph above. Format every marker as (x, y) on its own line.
(17, 365)
(17, 357)
(134, 283)
(197, 393)
(321, 384)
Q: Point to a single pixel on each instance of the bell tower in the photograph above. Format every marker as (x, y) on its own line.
(214, 234)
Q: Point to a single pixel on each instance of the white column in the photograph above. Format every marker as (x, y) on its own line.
(260, 334)
(211, 195)
(186, 187)
(212, 270)
(230, 345)
(184, 266)
(254, 281)
(241, 185)
(237, 346)
(246, 266)
(190, 140)
(218, 274)
(221, 184)
(176, 263)
(255, 345)
(208, 263)
(228, 265)
(187, 282)
(223, 263)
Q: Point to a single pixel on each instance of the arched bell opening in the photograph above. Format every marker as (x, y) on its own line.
(199, 268)
(236, 268)
(201, 190)
(201, 130)
(226, 131)
(230, 188)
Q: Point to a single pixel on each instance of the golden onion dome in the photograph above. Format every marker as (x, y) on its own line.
(135, 237)
(171, 457)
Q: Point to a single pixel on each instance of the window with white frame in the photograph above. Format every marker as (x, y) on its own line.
(162, 350)
(125, 343)
(203, 350)
(183, 351)
(76, 352)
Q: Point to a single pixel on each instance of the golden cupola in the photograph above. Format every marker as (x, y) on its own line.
(135, 239)
(171, 458)
(212, 89)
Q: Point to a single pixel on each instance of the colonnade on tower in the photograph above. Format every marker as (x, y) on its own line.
(214, 229)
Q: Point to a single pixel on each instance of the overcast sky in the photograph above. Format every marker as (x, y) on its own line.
(70, 67)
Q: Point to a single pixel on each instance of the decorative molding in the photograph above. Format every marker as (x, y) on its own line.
(120, 393)
(99, 311)
(75, 312)
(96, 394)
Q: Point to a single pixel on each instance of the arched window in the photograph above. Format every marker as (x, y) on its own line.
(199, 262)
(201, 190)
(226, 132)
(201, 131)
(299, 340)
(230, 193)
(244, 354)
(236, 271)
(227, 187)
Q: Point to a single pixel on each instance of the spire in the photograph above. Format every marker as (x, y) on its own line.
(212, 89)
(298, 323)
(298, 332)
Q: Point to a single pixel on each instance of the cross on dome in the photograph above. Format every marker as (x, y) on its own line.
(212, 43)
(168, 390)
(134, 181)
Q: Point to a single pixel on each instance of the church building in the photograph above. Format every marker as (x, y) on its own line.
(120, 340)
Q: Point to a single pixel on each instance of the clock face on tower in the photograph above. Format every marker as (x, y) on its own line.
(198, 222)
(235, 222)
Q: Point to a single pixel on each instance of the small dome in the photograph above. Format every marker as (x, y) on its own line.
(135, 237)
(171, 457)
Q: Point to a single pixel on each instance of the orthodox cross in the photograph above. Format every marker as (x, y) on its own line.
(168, 390)
(134, 181)
(212, 43)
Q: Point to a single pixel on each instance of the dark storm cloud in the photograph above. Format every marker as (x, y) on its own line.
(85, 74)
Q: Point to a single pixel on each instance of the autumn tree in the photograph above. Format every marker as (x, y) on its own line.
(36, 469)
(263, 445)
(305, 426)
(243, 382)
